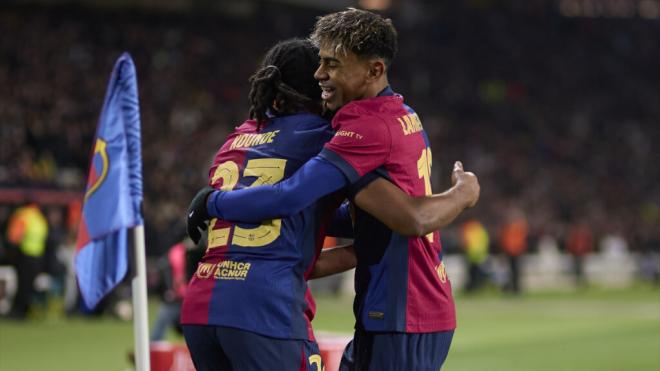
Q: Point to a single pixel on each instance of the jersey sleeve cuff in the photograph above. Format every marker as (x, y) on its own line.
(356, 187)
(212, 202)
(346, 168)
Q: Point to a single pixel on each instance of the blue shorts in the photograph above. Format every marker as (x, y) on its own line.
(218, 348)
(395, 351)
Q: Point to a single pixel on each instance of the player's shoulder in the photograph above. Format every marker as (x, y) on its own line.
(372, 106)
(355, 113)
(377, 109)
(303, 127)
(308, 121)
(294, 122)
(287, 123)
(248, 126)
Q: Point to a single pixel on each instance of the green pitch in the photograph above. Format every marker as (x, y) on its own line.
(590, 330)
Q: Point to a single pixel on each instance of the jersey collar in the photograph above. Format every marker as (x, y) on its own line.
(386, 92)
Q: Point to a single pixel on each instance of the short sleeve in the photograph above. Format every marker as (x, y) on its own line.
(357, 186)
(361, 143)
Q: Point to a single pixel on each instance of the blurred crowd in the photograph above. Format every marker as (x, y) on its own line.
(557, 116)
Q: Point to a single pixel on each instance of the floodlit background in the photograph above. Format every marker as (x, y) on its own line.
(554, 104)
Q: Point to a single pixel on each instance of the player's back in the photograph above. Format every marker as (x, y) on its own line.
(401, 284)
(252, 276)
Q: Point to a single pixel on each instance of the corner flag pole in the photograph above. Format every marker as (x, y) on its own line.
(140, 316)
(113, 205)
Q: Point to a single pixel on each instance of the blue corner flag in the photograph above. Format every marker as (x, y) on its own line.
(113, 195)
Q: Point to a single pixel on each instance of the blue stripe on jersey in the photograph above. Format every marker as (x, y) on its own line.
(426, 138)
(371, 239)
(385, 300)
(382, 306)
(396, 259)
(373, 314)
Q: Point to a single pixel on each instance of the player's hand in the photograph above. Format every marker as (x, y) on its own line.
(466, 183)
(198, 214)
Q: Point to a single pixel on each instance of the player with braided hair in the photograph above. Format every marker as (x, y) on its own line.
(247, 306)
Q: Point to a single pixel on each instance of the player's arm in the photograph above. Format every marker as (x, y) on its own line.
(335, 260)
(402, 213)
(315, 179)
(417, 216)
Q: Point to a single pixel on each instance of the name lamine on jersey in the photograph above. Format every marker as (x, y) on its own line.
(410, 124)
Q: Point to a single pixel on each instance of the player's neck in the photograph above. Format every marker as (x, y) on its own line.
(376, 87)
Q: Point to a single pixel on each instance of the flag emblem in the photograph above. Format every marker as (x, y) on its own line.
(99, 169)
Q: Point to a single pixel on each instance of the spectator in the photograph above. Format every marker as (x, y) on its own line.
(27, 231)
(172, 268)
(579, 243)
(475, 242)
(513, 242)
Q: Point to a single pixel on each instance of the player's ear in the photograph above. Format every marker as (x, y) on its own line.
(376, 69)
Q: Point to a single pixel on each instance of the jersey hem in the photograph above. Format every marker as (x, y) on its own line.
(263, 333)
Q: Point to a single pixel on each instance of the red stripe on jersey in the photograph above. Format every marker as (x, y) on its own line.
(430, 306)
(195, 307)
(303, 359)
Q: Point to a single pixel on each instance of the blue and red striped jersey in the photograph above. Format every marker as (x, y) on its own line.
(401, 284)
(253, 276)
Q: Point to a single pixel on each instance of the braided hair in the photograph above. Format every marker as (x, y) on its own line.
(284, 84)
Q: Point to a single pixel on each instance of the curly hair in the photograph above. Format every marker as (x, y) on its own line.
(362, 32)
(284, 84)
